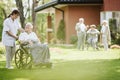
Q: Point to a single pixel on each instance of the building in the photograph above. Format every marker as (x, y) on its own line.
(93, 11)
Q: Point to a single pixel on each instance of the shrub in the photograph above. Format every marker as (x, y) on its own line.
(53, 41)
(73, 39)
(61, 31)
(117, 40)
(115, 35)
(1, 27)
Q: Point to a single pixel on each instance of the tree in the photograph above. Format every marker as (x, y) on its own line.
(3, 12)
(19, 5)
(35, 3)
(6, 7)
(1, 18)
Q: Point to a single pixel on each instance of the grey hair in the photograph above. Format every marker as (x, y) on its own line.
(29, 24)
(81, 19)
(105, 21)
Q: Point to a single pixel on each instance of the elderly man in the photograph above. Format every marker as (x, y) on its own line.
(81, 33)
(40, 52)
(105, 32)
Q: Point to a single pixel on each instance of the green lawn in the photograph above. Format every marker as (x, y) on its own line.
(70, 64)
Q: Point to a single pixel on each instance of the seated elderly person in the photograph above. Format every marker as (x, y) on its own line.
(40, 52)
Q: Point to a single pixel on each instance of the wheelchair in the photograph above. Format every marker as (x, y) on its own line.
(23, 58)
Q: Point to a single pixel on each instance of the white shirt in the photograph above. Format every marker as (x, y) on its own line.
(80, 27)
(93, 33)
(106, 32)
(12, 26)
(25, 36)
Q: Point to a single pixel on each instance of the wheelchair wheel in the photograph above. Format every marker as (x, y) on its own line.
(23, 59)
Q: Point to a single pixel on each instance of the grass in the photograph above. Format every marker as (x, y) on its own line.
(70, 70)
(2, 50)
(71, 64)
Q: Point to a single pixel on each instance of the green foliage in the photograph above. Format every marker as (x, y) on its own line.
(98, 27)
(115, 35)
(53, 40)
(61, 31)
(73, 39)
(117, 40)
(2, 50)
(1, 24)
(41, 23)
(113, 25)
(1, 27)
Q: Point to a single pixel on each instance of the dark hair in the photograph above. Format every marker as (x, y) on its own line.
(14, 12)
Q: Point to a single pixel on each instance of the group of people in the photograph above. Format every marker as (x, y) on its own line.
(40, 52)
(11, 26)
(90, 34)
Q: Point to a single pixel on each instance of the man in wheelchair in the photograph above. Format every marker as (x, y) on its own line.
(40, 52)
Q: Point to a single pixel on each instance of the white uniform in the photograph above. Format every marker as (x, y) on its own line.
(9, 25)
(81, 33)
(25, 36)
(7, 40)
(106, 38)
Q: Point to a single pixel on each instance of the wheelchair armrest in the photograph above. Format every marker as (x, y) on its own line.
(24, 44)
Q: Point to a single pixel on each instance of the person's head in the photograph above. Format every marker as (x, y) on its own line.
(81, 20)
(28, 27)
(14, 14)
(92, 26)
(105, 22)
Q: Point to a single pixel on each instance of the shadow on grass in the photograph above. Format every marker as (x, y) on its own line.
(67, 70)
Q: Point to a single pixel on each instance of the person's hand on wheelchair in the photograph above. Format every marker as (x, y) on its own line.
(23, 43)
(30, 42)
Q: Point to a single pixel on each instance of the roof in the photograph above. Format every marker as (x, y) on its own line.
(60, 2)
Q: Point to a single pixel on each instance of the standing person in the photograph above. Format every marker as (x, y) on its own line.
(81, 33)
(92, 38)
(10, 28)
(105, 34)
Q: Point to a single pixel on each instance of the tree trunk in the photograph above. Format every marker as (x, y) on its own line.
(20, 8)
(35, 3)
(4, 12)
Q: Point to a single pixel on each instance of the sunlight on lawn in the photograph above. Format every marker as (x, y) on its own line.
(74, 54)
(21, 79)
